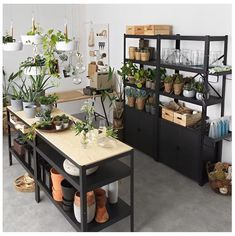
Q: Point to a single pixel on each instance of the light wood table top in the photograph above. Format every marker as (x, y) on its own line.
(70, 144)
(73, 95)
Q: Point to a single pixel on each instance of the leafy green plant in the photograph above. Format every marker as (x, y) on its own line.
(48, 100)
(7, 39)
(199, 87)
(28, 94)
(190, 84)
(111, 132)
(38, 60)
(40, 83)
(178, 78)
(82, 126)
(139, 77)
(168, 79)
(16, 93)
(128, 69)
(150, 74)
(141, 93)
(36, 29)
(130, 92)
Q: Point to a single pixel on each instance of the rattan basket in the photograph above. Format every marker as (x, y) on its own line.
(220, 186)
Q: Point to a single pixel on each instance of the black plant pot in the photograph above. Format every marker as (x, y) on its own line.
(68, 190)
(67, 203)
(67, 208)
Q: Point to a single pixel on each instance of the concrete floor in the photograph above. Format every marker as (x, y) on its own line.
(164, 201)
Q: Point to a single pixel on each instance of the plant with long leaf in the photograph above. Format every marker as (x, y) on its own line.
(41, 83)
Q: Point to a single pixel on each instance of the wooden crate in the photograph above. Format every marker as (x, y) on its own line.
(167, 114)
(187, 119)
(157, 29)
(135, 29)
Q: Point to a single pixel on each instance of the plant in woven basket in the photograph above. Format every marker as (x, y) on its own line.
(168, 84)
(178, 84)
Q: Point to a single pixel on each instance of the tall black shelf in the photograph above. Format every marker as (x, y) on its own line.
(167, 142)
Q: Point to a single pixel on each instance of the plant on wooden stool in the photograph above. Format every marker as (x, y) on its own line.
(168, 84)
(140, 99)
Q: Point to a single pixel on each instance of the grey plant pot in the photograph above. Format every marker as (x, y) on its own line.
(30, 111)
(17, 105)
(46, 107)
(27, 104)
(153, 110)
(147, 108)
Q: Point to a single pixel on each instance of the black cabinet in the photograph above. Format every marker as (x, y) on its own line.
(140, 130)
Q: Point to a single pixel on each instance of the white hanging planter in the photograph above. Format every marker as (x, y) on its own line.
(31, 39)
(33, 70)
(66, 46)
(12, 47)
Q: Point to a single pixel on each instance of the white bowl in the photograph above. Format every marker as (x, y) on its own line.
(71, 169)
(189, 94)
(33, 70)
(31, 39)
(12, 47)
(66, 46)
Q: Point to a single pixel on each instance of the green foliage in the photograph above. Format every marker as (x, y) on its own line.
(63, 118)
(111, 72)
(190, 84)
(39, 83)
(199, 87)
(130, 91)
(141, 93)
(128, 69)
(82, 126)
(48, 100)
(38, 60)
(16, 93)
(28, 94)
(7, 39)
(111, 132)
(35, 30)
(168, 79)
(178, 78)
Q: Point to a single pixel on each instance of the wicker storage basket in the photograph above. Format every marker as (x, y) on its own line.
(218, 184)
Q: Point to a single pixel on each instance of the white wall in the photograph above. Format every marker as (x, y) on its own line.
(186, 19)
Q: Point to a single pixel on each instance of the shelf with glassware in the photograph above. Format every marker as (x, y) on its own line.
(195, 91)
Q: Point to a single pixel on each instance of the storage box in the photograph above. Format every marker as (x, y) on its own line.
(135, 29)
(187, 119)
(167, 114)
(157, 29)
(100, 81)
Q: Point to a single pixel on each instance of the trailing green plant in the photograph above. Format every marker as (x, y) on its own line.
(48, 100)
(130, 91)
(128, 69)
(141, 93)
(111, 132)
(168, 79)
(7, 39)
(38, 60)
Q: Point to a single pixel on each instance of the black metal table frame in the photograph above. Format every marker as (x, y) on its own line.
(83, 176)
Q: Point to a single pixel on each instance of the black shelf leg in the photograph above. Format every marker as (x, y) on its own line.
(105, 114)
(132, 190)
(9, 137)
(36, 164)
(83, 199)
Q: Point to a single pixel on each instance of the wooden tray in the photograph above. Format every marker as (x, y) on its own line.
(53, 129)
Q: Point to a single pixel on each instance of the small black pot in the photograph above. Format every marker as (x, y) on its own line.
(67, 208)
(67, 203)
(68, 190)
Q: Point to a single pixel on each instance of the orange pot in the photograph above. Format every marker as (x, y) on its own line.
(56, 179)
(131, 101)
(57, 195)
(90, 198)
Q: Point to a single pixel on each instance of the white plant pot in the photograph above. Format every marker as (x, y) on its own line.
(17, 105)
(71, 169)
(189, 94)
(66, 46)
(33, 70)
(31, 39)
(12, 47)
(27, 104)
(113, 192)
(90, 212)
(30, 111)
(65, 125)
(58, 127)
(199, 96)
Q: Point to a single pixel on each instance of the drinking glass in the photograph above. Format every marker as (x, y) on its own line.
(185, 57)
(102, 126)
(213, 59)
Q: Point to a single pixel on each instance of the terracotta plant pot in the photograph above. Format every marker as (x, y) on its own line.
(68, 190)
(140, 103)
(178, 88)
(131, 101)
(91, 206)
(56, 179)
(57, 195)
(168, 87)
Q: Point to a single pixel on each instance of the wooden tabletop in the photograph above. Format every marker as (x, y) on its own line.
(70, 144)
(73, 95)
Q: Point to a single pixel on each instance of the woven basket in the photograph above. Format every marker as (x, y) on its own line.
(223, 187)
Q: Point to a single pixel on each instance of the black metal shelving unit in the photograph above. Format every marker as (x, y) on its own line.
(45, 154)
(181, 148)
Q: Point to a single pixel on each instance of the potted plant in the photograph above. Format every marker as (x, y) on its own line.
(29, 95)
(63, 43)
(83, 127)
(144, 54)
(33, 65)
(189, 90)
(30, 111)
(47, 102)
(19, 146)
(39, 116)
(137, 54)
(130, 93)
(33, 36)
(58, 125)
(200, 90)
(16, 99)
(140, 99)
(178, 84)
(10, 44)
(65, 122)
(139, 78)
(150, 78)
(168, 84)
(128, 71)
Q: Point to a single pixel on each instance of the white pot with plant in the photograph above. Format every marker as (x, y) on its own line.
(33, 65)
(47, 102)
(63, 43)
(188, 90)
(10, 44)
(199, 86)
(29, 95)
(16, 99)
